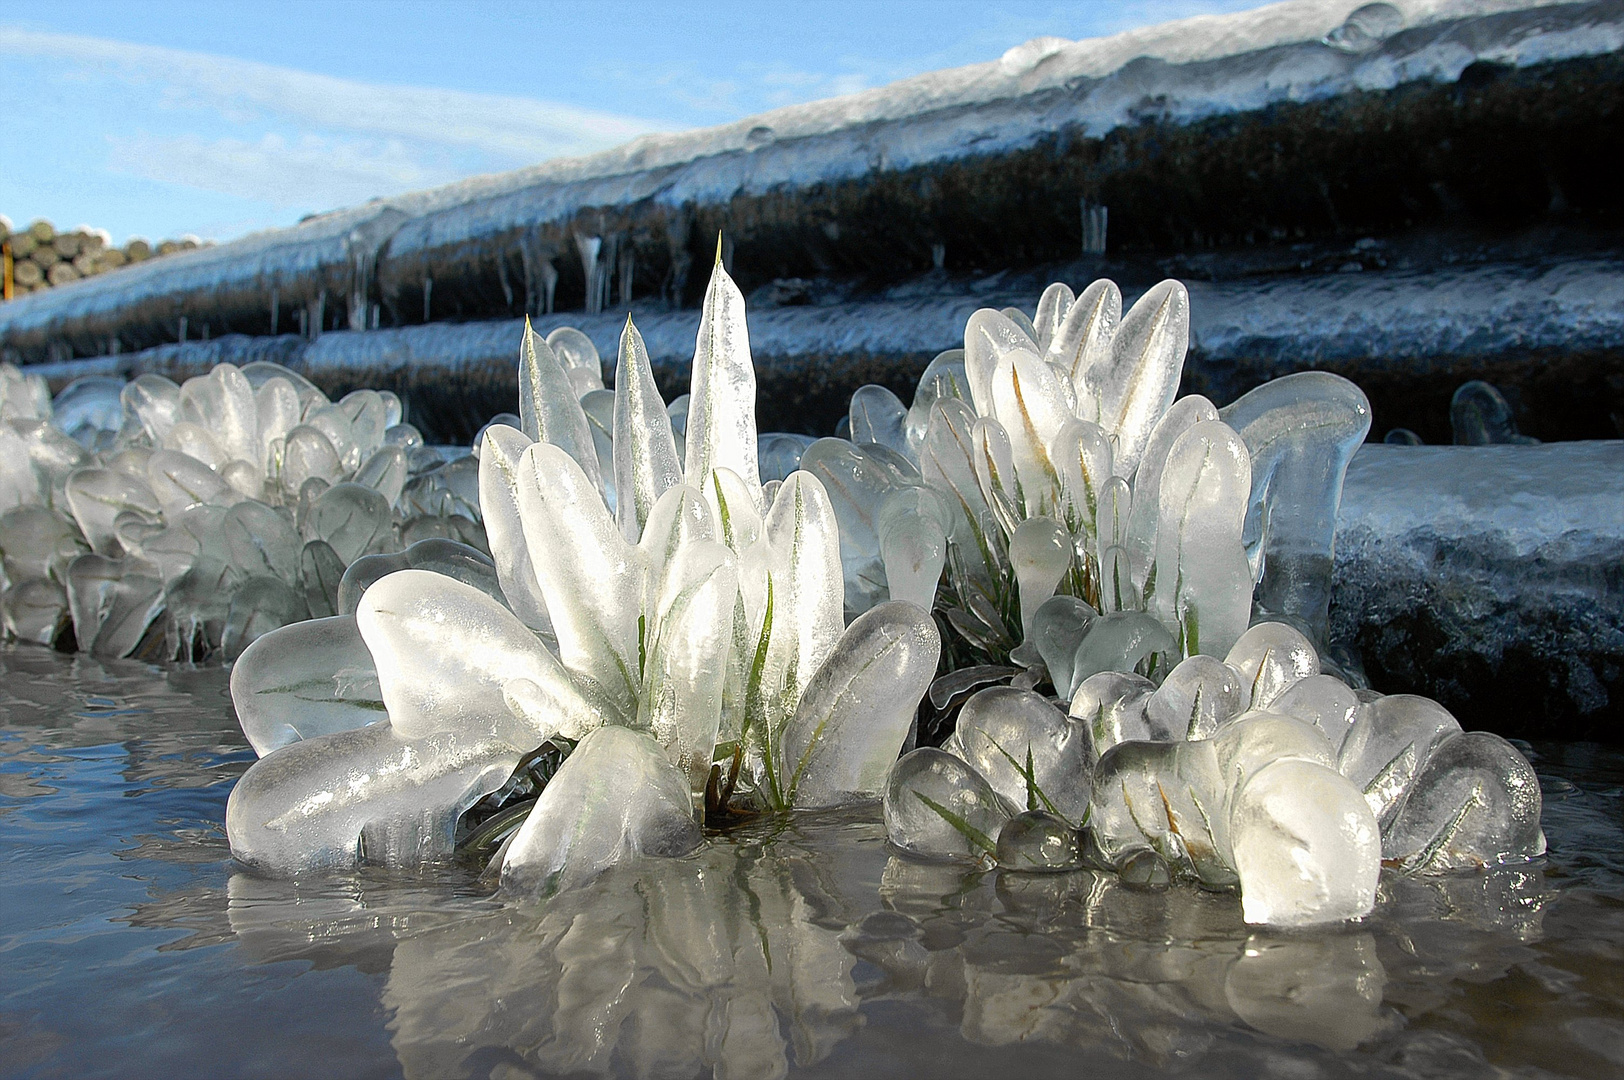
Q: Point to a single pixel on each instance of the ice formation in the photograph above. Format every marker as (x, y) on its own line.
(1165, 567)
(666, 616)
(701, 621)
(184, 521)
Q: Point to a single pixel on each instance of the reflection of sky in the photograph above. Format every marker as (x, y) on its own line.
(217, 118)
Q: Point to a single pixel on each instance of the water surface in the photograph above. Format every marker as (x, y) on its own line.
(131, 945)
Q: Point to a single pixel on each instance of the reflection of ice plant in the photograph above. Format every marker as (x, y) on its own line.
(702, 610)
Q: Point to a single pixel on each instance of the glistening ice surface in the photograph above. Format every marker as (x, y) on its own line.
(132, 945)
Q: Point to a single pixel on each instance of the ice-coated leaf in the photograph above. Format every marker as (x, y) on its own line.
(112, 602)
(913, 524)
(1082, 343)
(1058, 628)
(353, 518)
(778, 453)
(1387, 745)
(687, 657)
(616, 798)
(1113, 706)
(96, 496)
(334, 424)
(947, 463)
(939, 807)
(792, 587)
(591, 578)
(368, 417)
(680, 518)
(1322, 700)
(1001, 728)
(179, 481)
(444, 651)
(738, 522)
(307, 454)
(258, 605)
(1053, 305)
(578, 354)
(599, 406)
(878, 416)
(1257, 739)
(1029, 404)
(1200, 695)
(549, 408)
(1272, 657)
(1305, 845)
(307, 805)
(1082, 457)
(1147, 358)
(988, 336)
(1162, 797)
(499, 473)
(384, 472)
(857, 482)
(1301, 431)
(222, 403)
(153, 402)
(645, 451)
(442, 556)
(321, 572)
(721, 427)
(276, 410)
(1120, 641)
(995, 472)
(1476, 802)
(262, 540)
(854, 716)
(196, 441)
(1024, 321)
(943, 379)
(1184, 414)
(1203, 586)
(1040, 552)
(1115, 511)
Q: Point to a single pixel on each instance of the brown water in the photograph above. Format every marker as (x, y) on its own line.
(132, 946)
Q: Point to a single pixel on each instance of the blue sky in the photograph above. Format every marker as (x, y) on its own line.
(158, 119)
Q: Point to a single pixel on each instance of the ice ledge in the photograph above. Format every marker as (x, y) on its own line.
(1491, 578)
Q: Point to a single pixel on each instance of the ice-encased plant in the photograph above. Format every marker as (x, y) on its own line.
(1127, 541)
(1049, 455)
(1257, 772)
(691, 640)
(182, 521)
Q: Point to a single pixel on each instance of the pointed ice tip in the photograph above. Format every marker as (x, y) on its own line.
(629, 321)
(718, 247)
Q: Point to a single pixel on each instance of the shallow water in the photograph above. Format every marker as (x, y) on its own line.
(131, 945)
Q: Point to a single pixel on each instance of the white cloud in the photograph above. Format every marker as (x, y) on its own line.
(310, 171)
(520, 130)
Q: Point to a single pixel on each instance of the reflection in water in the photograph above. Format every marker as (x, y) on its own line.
(754, 957)
(804, 947)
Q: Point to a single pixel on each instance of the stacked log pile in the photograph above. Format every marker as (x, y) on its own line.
(40, 257)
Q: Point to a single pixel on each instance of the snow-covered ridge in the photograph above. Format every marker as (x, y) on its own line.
(1179, 71)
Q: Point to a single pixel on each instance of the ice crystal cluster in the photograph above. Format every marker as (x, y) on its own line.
(670, 620)
(168, 521)
(1121, 596)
